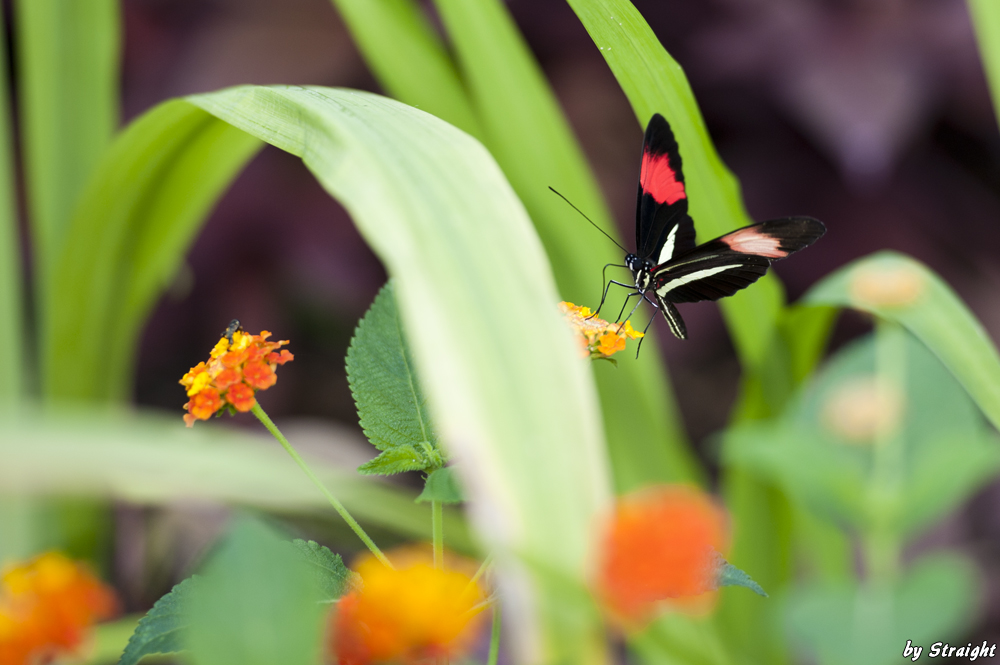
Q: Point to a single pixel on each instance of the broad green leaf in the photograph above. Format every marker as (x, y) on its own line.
(945, 450)
(409, 59)
(12, 379)
(527, 133)
(520, 411)
(146, 459)
(136, 219)
(679, 639)
(846, 623)
(986, 21)
(730, 575)
(68, 75)
(328, 569)
(386, 389)
(442, 486)
(257, 604)
(654, 83)
(925, 305)
(160, 631)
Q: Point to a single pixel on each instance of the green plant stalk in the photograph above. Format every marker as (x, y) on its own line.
(881, 545)
(337, 505)
(437, 533)
(495, 636)
(12, 376)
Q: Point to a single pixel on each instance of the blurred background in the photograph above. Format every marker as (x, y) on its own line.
(872, 116)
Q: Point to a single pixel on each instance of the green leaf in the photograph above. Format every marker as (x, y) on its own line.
(409, 59)
(391, 405)
(521, 412)
(68, 74)
(12, 314)
(136, 219)
(654, 83)
(159, 632)
(333, 576)
(257, 604)
(986, 21)
(936, 316)
(846, 622)
(730, 575)
(442, 486)
(151, 459)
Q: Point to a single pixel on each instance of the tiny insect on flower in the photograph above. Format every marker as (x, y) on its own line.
(239, 365)
(47, 605)
(414, 613)
(661, 546)
(597, 338)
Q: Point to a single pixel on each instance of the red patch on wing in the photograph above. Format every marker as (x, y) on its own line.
(659, 180)
(754, 241)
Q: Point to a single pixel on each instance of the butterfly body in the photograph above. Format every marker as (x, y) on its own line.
(668, 267)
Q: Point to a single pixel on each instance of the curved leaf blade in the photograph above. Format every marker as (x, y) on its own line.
(936, 316)
(136, 219)
(435, 207)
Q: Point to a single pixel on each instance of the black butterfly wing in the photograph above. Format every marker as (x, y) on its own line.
(723, 266)
(663, 228)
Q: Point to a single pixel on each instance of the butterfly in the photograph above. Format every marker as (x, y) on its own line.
(667, 266)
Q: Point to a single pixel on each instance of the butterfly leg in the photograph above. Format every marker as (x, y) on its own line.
(607, 286)
(649, 323)
(638, 293)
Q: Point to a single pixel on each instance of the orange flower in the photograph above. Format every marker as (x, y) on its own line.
(597, 338)
(412, 614)
(661, 544)
(232, 375)
(46, 607)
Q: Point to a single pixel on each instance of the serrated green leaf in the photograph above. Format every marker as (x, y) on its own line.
(442, 486)
(333, 576)
(257, 604)
(730, 575)
(391, 406)
(406, 457)
(159, 632)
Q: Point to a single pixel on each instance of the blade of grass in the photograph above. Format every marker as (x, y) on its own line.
(409, 59)
(149, 458)
(137, 216)
(986, 22)
(926, 306)
(12, 376)
(522, 416)
(68, 76)
(530, 138)
(654, 83)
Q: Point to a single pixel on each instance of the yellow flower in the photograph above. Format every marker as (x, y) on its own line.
(597, 338)
(414, 613)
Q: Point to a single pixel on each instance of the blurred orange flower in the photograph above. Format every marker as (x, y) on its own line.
(234, 372)
(597, 338)
(46, 606)
(662, 545)
(411, 614)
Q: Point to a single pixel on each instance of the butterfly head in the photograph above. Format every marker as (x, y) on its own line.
(641, 269)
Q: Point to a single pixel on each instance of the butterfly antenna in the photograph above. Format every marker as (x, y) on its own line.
(589, 219)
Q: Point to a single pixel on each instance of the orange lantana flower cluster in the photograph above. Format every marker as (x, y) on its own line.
(235, 371)
(661, 546)
(46, 607)
(597, 338)
(414, 613)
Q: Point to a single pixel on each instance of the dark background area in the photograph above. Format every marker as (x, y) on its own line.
(872, 115)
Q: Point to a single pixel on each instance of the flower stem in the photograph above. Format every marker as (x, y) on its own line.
(437, 533)
(337, 505)
(495, 636)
